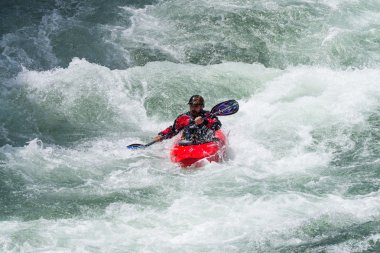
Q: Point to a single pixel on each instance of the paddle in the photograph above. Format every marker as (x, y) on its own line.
(140, 146)
(225, 108)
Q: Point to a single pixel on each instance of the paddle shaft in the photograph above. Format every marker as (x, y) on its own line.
(150, 143)
(220, 110)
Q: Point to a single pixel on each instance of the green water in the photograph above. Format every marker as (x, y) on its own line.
(81, 80)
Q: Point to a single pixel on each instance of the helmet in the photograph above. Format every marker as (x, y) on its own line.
(196, 100)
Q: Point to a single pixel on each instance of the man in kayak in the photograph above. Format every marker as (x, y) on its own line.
(197, 124)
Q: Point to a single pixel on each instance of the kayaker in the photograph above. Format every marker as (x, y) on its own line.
(197, 124)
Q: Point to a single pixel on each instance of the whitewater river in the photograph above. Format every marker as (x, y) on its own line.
(81, 80)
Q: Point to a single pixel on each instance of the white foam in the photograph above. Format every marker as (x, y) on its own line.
(281, 122)
(190, 222)
(290, 126)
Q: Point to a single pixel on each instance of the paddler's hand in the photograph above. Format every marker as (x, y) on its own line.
(157, 138)
(198, 120)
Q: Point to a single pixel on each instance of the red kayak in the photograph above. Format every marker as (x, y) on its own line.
(186, 155)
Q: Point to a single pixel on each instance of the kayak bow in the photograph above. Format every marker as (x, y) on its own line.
(187, 155)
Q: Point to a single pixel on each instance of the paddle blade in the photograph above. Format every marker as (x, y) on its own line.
(136, 146)
(225, 108)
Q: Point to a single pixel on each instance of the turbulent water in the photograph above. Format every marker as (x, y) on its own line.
(80, 80)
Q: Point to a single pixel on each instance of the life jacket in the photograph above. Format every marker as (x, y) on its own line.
(191, 132)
